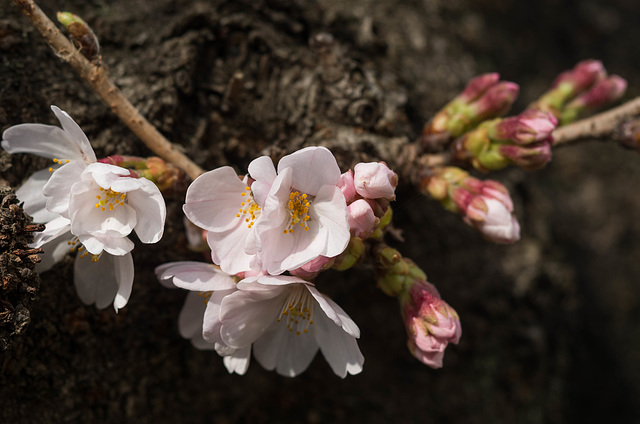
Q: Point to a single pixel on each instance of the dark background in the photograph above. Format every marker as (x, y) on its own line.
(550, 325)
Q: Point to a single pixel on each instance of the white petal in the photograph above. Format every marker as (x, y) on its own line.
(195, 276)
(339, 348)
(87, 219)
(54, 251)
(191, 314)
(247, 315)
(334, 312)
(227, 249)
(105, 174)
(124, 277)
(52, 230)
(238, 362)
(214, 198)
(75, 134)
(116, 246)
(59, 187)
(330, 210)
(150, 209)
(264, 173)
(34, 200)
(288, 353)
(307, 246)
(312, 168)
(95, 281)
(211, 323)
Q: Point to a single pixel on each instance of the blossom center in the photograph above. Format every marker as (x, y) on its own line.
(298, 208)
(249, 209)
(109, 199)
(297, 311)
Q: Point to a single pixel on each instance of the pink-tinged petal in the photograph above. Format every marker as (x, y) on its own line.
(76, 135)
(95, 281)
(194, 276)
(289, 354)
(312, 168)
(273, 280)
(52, 230)
(339, 348)
(375, 180)
(432, 359)
(59, 187)
(335, 313)
(150, 210)
(116, 246)
(362, 220)
(211, 323)
(264, 173)
(227, 249)
(190, 319)
(306, 246)
(329, 209)
(34, 199)
(238, 361)
(124, 277)
(214, 199)
(247, 315)
(347, 186)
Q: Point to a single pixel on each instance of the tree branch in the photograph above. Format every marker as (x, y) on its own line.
(98, 78)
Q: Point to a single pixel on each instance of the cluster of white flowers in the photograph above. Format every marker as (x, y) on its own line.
(293, 219)
(88, 206)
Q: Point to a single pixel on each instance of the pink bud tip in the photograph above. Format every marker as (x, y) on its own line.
(375, 181)
(477, 86)
(583, 75)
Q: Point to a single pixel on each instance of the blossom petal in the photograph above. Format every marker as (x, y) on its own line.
(228, 249)
(245, 316)
(238, 361)
(34, 200)
(116, 246)
(150, 209)
(124, 277)
(329, 209)
(214, 198)
(264, 173)
(288, 353)
(195, 276)
(105, 175)
(76, 134)
(59, 187)
(95, 281)
(211, 323)
(54, 251)
(190, 319)
(312, 168)
(334, 312)
(52, 230)
(87, 219)
(339, 348)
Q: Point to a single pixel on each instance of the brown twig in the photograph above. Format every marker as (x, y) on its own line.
(98, 77)
(598, 126)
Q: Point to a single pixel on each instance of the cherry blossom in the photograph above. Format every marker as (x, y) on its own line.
(286, 320)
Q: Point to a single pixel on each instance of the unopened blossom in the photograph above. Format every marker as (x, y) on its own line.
(603, 93)
(375, 180)
(362, 220)
(347, 186)
(493, 219)
(286, 320)
(530, 126)
(311, 269)
(430, 322)
(304, 214)
(207, 287)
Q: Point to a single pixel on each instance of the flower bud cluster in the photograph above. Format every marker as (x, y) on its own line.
(431, 324)
(484, 97)
(524, 140)
(581, 91)
(484, 205)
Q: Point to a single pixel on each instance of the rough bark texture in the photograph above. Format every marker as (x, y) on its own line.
(550, 324)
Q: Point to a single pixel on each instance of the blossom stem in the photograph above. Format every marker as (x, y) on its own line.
(98, 78)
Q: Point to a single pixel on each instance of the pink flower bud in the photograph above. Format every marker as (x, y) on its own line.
(496, 101)
(375, 180)
(529, 127)
(477, 87)
(530, 158)
(347, 186)
(602, 93)
(430, 322)
(493, 219)
(582, 76)
(362, 219)
(311, 269)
